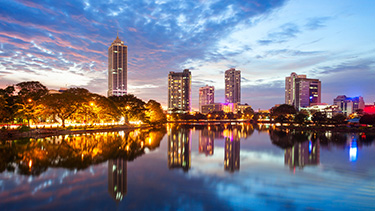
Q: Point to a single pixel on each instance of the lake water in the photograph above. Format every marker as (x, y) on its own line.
(190, 167)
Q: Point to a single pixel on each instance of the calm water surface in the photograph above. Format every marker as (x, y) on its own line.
(190, 167)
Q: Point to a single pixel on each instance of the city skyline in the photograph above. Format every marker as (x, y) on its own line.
(65, 44)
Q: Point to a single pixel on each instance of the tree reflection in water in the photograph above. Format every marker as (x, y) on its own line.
(75, 152)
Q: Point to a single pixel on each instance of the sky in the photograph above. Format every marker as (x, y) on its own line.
(65, 44)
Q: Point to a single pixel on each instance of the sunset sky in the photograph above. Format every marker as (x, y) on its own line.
(65, 43)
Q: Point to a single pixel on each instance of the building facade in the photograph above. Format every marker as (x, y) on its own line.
(233, 86)
(117, 68)
(302, 92)
(179, 91)
(349, 105)
(206, 96)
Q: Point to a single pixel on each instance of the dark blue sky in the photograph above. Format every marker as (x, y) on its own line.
(64, 43)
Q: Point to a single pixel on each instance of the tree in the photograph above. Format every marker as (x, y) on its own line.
(319, 117)
(248, 113)
(29, 96)
(283, 109)
(300, 118)
(339, 118)
(8, 107)
(367, 119)
(154, 112)
(131, 107)
(66, 104)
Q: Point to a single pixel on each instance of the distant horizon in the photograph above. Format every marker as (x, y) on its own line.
(65, 44)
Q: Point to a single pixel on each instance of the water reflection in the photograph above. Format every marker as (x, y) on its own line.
(179, 147)
(302, 154)
(232, 150)
(117, 178)
(303, 147)
(75, 152)
(206, 141)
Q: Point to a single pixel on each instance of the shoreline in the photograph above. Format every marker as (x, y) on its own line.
(41, 133)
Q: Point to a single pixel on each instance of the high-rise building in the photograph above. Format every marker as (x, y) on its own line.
(349, 105)
(117, 68)
(233, 86)
(179, 91)
(206, 96)
(117, 178)
(290, 88)
(302, 92)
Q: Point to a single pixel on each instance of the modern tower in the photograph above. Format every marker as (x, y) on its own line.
(233, 86)
(301, 91)
(179, 91)
(117, 68)
(206, 96)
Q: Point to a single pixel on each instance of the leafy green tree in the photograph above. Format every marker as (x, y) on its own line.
(29, 96)
(248, 113)
(300, 118)
(339, 118)
(283, 109)
(66, 104)
(8, 107)
(154, 112)
(368, 119)
(131, 107)
(319, 118)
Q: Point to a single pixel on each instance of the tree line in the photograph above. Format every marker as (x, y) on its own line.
(31, 101)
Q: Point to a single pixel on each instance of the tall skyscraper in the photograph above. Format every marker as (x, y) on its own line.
(179, 91)
(290, 88)
(233, 86)
(206, 96)
(301, 91)
(117, 68)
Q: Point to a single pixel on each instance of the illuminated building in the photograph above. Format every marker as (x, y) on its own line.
(212, 108)
(117, 179)
(206, 142)
(302, 154)
(179, 148)
(179, 91)
(349, 105)
(232, 150)
(117, 68)
(233, 86)
(206, 96)
(302, 92)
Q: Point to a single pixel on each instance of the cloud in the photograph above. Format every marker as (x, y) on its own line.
(316, 23)
(282, 34)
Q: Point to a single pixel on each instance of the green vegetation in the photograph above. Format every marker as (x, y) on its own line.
(34, 103)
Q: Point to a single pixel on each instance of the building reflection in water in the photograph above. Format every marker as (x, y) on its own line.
(206, 141)
(232, 150)
(117, 178)
(179, 147)
(353, 149)
(302, 154)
